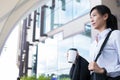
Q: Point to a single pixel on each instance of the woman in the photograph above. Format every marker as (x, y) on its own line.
(109, 61)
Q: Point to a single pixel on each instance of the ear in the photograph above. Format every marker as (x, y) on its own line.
(105, 16)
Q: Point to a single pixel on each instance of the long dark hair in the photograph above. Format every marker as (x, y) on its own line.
(111, 21)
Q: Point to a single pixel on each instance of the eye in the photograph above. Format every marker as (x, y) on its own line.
(94, 15)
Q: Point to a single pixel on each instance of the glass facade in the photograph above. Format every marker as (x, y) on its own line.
(60, 12)
(52, 57)
(56, 13)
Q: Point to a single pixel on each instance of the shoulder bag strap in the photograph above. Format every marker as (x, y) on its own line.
(103, 45)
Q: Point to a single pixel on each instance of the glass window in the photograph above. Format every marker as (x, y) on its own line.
(63, 12)
(87, 29)
(47, 57)
(80, 7)
(82, 43)
(34, 48)
(47, 25)
(47, 10)
(63, 46)
(42, 66)
(61, 4)
(38, 18)
(57, 4)
(53, 54)
(37, 29)
(49, 3)
(65, 15)
(51, 57)
(55, 21)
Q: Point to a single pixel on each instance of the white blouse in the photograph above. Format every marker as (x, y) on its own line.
(110, 57)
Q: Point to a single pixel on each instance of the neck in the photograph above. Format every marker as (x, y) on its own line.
(102, 28)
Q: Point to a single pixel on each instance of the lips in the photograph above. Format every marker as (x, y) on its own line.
(93, 23)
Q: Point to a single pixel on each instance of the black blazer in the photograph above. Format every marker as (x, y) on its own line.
(79, 70)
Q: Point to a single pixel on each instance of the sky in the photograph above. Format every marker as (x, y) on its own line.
(8, 68)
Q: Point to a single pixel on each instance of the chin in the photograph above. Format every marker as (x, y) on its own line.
(95, 27)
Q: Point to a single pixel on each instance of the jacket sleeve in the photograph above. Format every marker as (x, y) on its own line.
(117, 47)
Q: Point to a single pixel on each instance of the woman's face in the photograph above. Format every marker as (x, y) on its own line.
(98, 21)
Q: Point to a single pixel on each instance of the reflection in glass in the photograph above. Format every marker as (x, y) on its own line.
(52, 56)
(47, 61)
(47, 24)
(56, 19)
(80, 7)
(82, 43)
(63, 12)
(41, 69)
(87, 29)
(66, 15)
(37, 31)
(63, 46)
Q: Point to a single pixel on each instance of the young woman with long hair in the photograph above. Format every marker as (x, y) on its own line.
(109, 61)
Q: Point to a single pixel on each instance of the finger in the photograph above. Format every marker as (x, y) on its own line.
(91, 67)
(94, 63)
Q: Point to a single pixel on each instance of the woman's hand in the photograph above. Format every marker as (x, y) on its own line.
(93, 66)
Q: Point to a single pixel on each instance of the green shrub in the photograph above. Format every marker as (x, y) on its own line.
(28, 78)
(43, 77)
(64, 79)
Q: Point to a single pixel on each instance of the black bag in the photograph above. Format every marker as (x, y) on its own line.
(98, 76)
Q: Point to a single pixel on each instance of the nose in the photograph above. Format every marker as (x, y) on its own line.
(91, 19)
